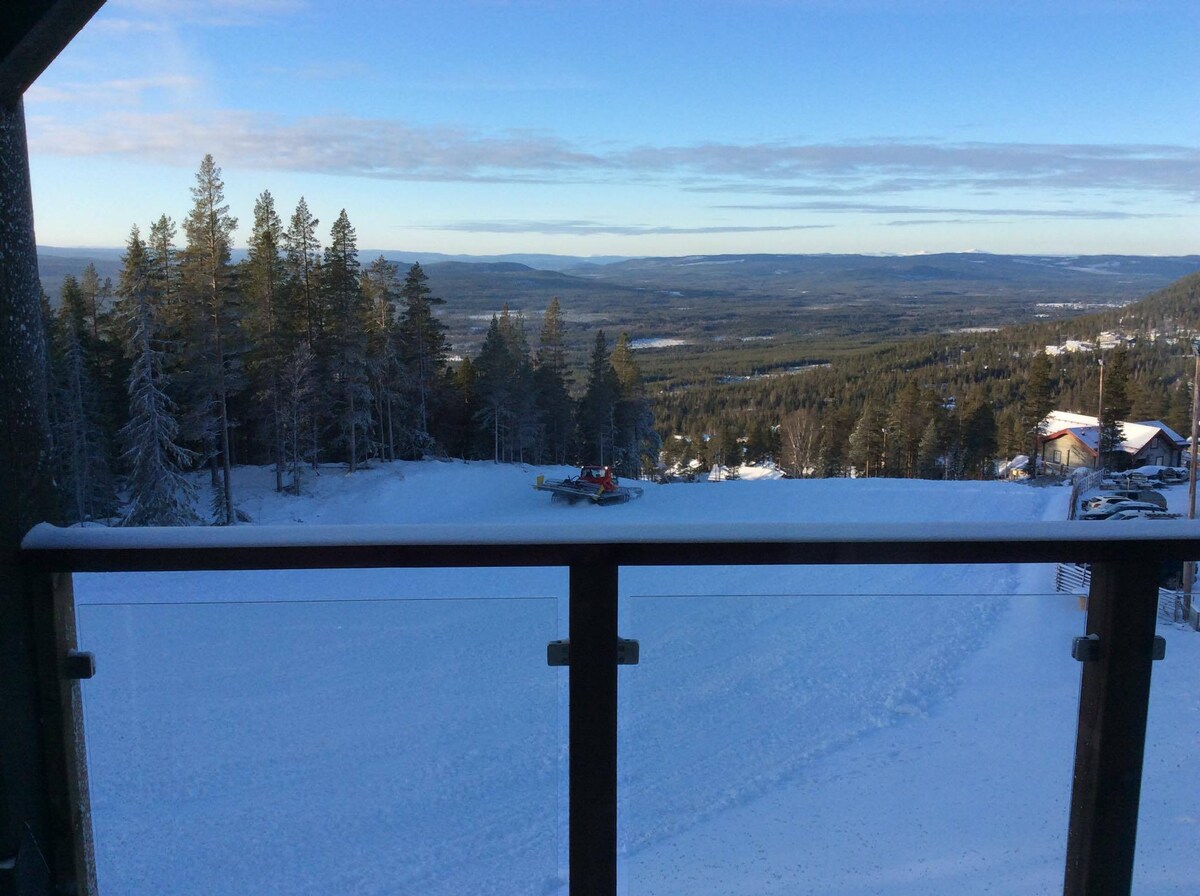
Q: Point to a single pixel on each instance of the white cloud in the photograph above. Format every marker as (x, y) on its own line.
(391, 149)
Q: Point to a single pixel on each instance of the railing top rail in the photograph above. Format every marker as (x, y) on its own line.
(100, 549)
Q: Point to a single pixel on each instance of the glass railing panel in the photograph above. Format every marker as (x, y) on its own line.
(847, 730)
(1168, 831)
(325, 732)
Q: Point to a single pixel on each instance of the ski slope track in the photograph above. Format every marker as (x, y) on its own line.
(789, 730)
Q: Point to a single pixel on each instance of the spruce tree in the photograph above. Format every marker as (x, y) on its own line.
(159, 492)
(525, 430)
(493, 387)
(597, 409)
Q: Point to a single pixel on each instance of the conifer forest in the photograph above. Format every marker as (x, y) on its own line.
(303, 355)
(299, 356)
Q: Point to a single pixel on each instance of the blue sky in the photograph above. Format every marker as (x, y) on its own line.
(650, 128)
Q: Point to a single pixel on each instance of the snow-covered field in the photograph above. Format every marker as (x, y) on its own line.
(789, 730)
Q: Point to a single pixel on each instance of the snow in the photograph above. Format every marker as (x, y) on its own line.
(657, 342)
(856, 730)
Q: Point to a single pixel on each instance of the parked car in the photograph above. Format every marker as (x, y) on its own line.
(1144, 515)
(1105, 501)
(1104, 513)
(1146, 495)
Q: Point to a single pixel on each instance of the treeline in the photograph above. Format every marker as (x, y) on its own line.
(949, 405)
(298, 356)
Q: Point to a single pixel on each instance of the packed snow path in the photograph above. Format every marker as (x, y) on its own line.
(789, 730)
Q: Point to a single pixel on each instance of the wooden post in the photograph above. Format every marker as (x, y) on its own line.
(1114, 697)
(593, 729)
(39, 816)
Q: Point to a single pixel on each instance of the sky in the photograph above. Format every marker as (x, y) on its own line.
(643, 128)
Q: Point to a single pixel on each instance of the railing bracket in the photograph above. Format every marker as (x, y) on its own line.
(558, 653)
(79, 665)
(1086, 650)
(629, 652)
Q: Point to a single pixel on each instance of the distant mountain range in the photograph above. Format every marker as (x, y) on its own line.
(711, 301)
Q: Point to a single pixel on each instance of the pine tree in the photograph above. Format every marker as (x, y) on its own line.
(1038, 403)
(635, 439)
(159, 492)
(304, 315)
(551, 382)
(346, 318)
(422, 349)
(866, 442)
(303, 254)
(1114, 410)
(78, 425)
(95, 295)
(297, 385)
(381, 288)
(263, 325)
(979, 442)
(209, 287)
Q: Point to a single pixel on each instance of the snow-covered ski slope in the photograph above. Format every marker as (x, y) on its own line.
(788, 730)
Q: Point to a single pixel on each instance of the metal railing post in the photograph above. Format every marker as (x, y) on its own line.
(1110, 742)
(593, 729)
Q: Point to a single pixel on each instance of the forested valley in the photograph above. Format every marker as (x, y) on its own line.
(946, 406)
(300, 355)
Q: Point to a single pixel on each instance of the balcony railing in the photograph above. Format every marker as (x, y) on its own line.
(1116, 654)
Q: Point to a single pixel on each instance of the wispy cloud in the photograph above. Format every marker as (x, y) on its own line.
(116, 92)
(217, 13)
(344, 145)
(835, 207)
(590, 228)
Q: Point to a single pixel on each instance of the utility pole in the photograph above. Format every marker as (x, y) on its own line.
(1189, 568)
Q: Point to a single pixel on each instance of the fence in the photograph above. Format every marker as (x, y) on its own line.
(1116, 653)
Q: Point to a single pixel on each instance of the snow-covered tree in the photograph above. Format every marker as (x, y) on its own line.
(159, 492)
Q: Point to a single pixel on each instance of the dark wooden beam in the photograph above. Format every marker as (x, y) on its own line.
(593, 735)
(1113, 701)
(32, 34)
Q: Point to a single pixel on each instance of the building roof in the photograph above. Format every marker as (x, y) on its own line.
(1086, 430)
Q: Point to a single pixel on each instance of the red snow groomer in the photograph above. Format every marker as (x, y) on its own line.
(594, 483)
